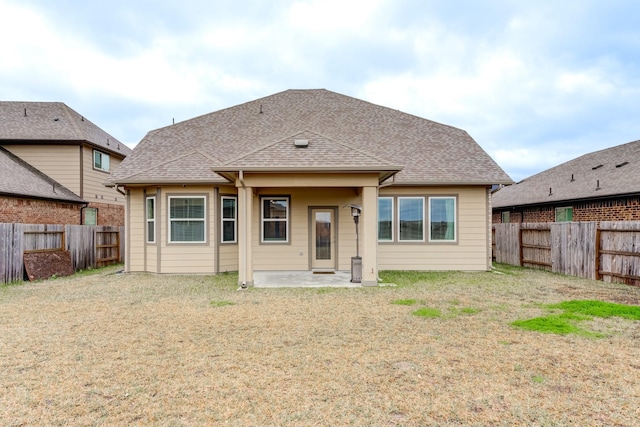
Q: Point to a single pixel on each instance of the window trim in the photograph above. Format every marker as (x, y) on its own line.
(234, 220)
(565, 208)
(399, 239)
(287, 221)
(455, 219)
(150, 220)
(393, 219)
(170, 220)
(102, 156)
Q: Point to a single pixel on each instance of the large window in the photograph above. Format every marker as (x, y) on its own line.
(229, 219)
(385, 219)
(411, 219)
(101, 161)
(151, 219)
(187, 219)
(564, 214)
(275, 219)
(442, 219)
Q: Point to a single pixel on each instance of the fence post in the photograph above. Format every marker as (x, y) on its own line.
(597, 252)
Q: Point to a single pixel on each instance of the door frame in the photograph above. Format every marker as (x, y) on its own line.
(311, 225)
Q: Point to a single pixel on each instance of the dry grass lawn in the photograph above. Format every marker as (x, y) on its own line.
(120, 349)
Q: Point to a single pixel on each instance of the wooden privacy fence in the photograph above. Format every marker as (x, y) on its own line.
(89, 246)
(609, 250)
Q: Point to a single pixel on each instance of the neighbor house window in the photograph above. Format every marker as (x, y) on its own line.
(442, 219)
(151, 219)
(275, 219)
(385, 219)
(506, 217)
(564, 214)
(229, 219)
(411, 219)
(187, 219)
(100, 161)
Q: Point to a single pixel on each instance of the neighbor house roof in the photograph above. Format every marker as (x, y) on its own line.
(31, 122)
(602, 174)
(19, 179)
(343, 133)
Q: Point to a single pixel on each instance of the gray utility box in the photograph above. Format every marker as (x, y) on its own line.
(356, 269)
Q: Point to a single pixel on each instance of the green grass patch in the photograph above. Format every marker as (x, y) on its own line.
(222, 303)
(576, 311)
(469, 310)
(427, 312)
(405, 301)
(599, 309)
(549, 325)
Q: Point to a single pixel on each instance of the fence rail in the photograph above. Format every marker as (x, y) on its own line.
(89, 246)
(608, 250)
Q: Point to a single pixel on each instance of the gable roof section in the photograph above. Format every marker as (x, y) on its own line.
(261, 132)
(26, 122)
(19, 179)
(606, 173)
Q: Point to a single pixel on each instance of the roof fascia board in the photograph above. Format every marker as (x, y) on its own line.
(567, 201)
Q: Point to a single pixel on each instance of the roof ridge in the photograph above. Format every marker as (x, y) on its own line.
(207, 155)
(67, 110)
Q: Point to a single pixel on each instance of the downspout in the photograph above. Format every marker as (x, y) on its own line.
(243, 218)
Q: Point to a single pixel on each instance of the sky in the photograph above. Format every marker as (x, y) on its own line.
(535, 83)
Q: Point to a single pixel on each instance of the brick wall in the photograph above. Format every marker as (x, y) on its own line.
(109, 214)
(32, 211)
(608, 210)
(624, 209)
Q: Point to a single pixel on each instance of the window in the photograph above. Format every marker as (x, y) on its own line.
(151, 219)
(187, 219)
(385, 219)
(442, 219)
(229, 216)
(506, 217)
(100, 161)
(275, 219)
(411, 219)
(564, 214)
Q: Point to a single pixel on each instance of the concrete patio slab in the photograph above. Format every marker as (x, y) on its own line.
(303, 279)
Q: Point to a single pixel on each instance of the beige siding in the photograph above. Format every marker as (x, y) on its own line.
(295, 255)
(93, 180)
(188, 258)
(135, 231)
(469, 253)
(60, 162)
(228, 258)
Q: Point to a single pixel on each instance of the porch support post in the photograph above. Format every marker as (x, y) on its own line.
(369, 236)
(245, 264)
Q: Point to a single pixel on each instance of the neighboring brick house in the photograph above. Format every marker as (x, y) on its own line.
(28, 195)
(57, 146)
(599, 186)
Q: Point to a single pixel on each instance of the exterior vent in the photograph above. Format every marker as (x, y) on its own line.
(622, 164)
(301, 143)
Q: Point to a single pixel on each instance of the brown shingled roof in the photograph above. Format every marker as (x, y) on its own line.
(23, 122)
(343, 132)
(19, 179)
(606, 173)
